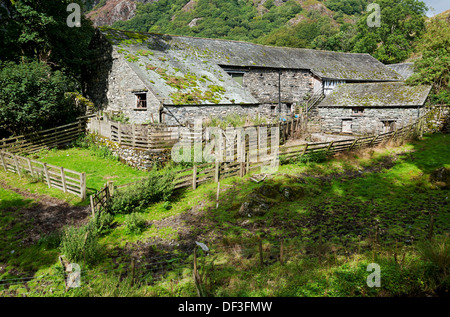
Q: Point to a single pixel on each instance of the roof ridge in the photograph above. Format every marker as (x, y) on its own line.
(105, 28)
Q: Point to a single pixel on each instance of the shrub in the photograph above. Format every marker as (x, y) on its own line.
(158, 186)
(80, 244)
(103, 221)
(135, 223)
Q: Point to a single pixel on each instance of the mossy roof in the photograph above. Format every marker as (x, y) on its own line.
(388, 94)
(403, 69)
(173, 75)
(325, 64)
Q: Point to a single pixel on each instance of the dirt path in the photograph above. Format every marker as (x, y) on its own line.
(45, 214)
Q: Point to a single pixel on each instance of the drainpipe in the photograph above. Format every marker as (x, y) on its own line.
(279, 92)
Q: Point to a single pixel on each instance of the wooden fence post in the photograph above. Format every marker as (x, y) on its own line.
(330, 145)
(133, 134)
(63, 179)
(217, 172)
(46, 175)
(3, 162)
(29, 166)
(194, 177)
(119, 132)
(353, 144)
(304, 150)
(197, 278)
(83, 185)
(92, 205)
(373, 140)
(16, 163)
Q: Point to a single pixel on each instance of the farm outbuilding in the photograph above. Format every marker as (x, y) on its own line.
(176, 79)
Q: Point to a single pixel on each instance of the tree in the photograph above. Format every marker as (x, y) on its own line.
(402, 23)
(32, 97)
(37, 29)
(433, 67)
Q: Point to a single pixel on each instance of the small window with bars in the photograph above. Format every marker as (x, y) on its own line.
(141, 100)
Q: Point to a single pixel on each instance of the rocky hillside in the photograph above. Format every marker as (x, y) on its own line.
(106, 12)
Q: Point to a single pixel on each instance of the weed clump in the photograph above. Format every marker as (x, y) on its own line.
(80, 244)
(158, 186)
(135, 223)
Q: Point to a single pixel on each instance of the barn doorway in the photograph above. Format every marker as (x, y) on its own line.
(346, 126)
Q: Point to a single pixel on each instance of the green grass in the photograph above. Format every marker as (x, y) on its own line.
(14, 256)
(370, 206)
(10, 199)
(98, 170)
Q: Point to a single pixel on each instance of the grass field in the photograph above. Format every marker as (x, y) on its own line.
(334, 218)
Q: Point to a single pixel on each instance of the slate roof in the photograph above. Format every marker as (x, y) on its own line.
(325, 64)
(403, 69)
(388, 94)
(174, 76)
(162, 60)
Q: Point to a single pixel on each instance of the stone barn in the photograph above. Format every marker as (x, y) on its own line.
(369, 108)
(176, 79)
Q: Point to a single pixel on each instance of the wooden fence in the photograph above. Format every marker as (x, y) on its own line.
(46, 139)
(161, 137)
(100, 200)
(202, 173)
(55, 176)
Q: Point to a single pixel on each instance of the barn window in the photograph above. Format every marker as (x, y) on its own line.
(238, 77)
(358, 111)
(388, 125)
(141, 100)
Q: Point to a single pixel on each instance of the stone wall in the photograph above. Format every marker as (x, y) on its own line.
(263, 84)
(190, 113)
(137, 158)
(367, 123)
(112, 85)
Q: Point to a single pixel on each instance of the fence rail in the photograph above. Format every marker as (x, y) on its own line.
(46, 139)
(57, 177)
(99, 201)
(160, 137)
(199, 174)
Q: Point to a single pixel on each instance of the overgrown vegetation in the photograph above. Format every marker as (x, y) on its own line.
(335, 216)
(157, 186)
(80, 245)
(42, 59)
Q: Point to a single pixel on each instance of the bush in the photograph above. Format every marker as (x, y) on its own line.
(103, 221)
(32, 97)
(80, 244)
(135, 223)
(158, 186)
